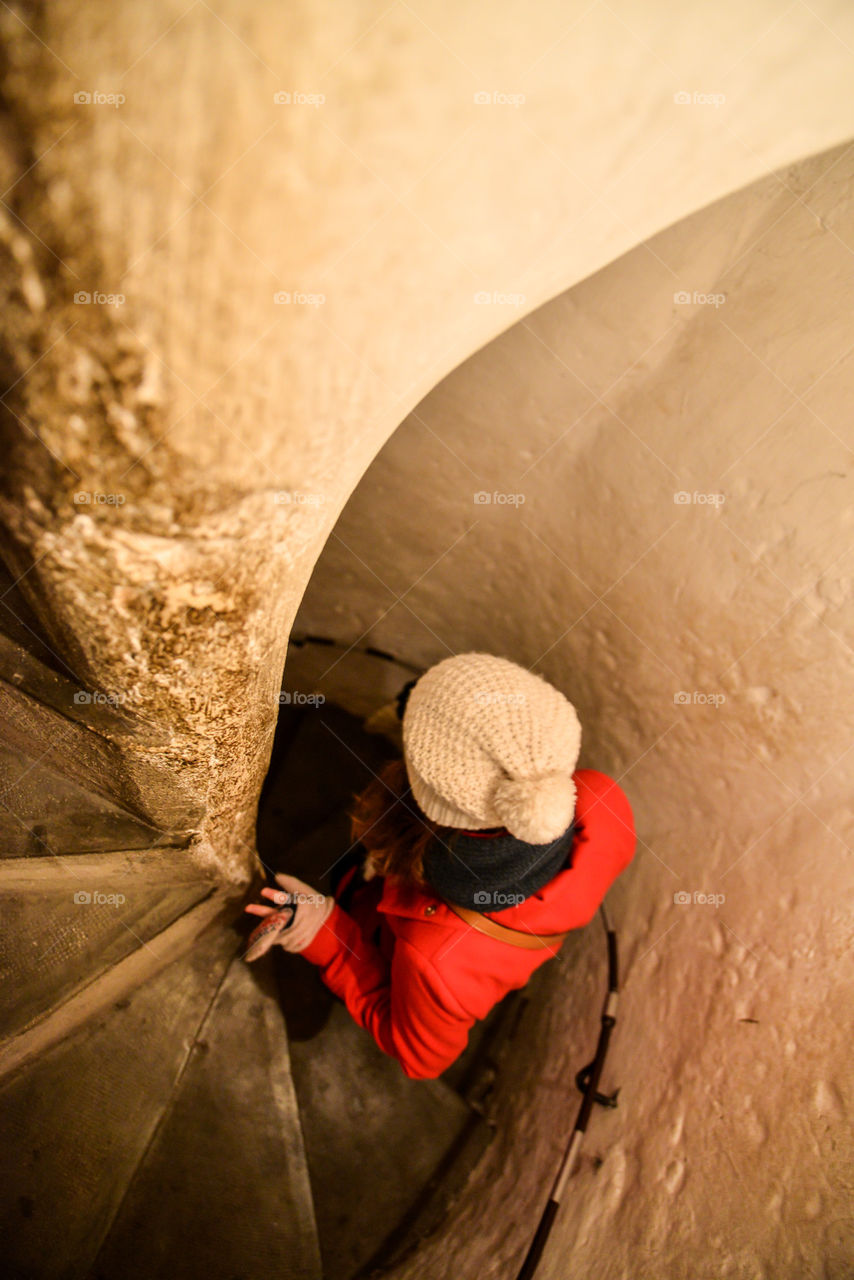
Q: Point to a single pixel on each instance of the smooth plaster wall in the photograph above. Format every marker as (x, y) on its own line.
(198, 400)
(730, 1153)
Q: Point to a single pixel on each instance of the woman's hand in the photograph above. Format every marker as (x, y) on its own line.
(293, 921)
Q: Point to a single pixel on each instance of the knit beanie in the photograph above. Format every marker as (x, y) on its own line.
(488, 743)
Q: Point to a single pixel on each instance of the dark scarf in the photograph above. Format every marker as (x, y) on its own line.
(492, 870)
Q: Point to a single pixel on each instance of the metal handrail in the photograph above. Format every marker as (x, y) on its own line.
(588, 1080)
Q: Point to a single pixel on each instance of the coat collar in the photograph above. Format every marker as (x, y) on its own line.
(538, 911)
(400, 899)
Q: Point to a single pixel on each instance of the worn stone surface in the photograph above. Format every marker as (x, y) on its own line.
(56, 940)
(185, 409)
(706, 644)
(224, 1183)
(93, 1103)
(199, 401)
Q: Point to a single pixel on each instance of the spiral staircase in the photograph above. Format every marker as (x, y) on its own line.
(165, 1107)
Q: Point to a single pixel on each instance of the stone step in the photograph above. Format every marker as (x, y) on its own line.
(67, 920)
(161, 1136)
(223, 1190)
(374, 1138)
(20, 623)
(77, 1118)
(84, 737)
(109, 989)
(43, 812)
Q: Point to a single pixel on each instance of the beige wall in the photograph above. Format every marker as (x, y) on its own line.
(728, 1155)
(200, 399)
(400, 198)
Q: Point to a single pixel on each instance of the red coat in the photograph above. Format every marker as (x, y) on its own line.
(418, 977)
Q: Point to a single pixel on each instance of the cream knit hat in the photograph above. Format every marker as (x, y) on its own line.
(489, 744)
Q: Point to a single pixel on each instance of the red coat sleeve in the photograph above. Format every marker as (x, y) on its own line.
(605, 846)
(405, 1005)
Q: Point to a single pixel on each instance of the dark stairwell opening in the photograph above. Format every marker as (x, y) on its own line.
(386, 1154)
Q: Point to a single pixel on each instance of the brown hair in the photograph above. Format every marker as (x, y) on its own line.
(385, 819)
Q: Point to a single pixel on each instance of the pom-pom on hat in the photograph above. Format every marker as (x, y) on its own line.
(489, 744)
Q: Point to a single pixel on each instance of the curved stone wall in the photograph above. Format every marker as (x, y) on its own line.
(672, 440)
(205, 174)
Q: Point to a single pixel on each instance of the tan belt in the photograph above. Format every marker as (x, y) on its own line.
(532, 941)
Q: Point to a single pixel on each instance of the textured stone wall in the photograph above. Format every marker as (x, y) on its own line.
(675, 435)
(179, 448)
(187, 166)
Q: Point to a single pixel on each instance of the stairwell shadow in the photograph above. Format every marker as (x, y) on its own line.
(383, 1150)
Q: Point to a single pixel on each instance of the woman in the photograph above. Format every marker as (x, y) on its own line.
(475, 854)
